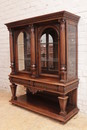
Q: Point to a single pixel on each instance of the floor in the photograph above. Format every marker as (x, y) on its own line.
(16, 118)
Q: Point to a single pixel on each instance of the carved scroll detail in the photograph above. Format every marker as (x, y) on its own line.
(34, 90)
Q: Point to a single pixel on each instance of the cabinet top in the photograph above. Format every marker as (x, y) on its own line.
(44, 18)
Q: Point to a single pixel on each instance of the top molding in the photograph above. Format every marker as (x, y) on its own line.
(44, 18)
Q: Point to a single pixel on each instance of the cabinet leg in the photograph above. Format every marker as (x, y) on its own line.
(63, 103)
(13, 90)
(73, 98)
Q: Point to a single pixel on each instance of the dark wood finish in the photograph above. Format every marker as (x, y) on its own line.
(44, 107)
(45, 18)
(11, 51)
(52, 80)
(13, 90)
(63, 103)
(63, 54)
(33, 64)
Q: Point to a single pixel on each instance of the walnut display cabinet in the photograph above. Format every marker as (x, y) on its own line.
(44, 59)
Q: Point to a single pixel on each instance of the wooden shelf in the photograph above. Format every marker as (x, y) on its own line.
(44, 106)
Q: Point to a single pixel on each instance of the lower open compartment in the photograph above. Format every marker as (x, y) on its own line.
(45, 106)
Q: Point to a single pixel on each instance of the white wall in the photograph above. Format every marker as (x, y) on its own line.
(12, 10)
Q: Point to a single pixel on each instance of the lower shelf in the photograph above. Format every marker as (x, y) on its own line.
(44, 107)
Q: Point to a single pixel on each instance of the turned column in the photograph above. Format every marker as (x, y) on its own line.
(62, 52)
(63, 104)
(33, 62)
(13, 90)
(11, 52)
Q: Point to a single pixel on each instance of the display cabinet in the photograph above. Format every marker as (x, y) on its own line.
(44, 59)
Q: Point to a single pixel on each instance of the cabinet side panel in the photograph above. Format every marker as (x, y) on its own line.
(72, 52)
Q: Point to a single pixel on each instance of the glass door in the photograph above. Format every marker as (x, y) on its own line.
(24, 55)
(49, 51)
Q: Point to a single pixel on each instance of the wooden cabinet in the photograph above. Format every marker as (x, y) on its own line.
(44, 58)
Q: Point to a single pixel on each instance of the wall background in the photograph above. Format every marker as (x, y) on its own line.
(12, 10)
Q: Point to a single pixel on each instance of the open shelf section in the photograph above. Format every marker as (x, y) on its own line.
(44, 106)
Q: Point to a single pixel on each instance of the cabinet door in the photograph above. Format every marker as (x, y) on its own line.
(23, 56)
(49, 51)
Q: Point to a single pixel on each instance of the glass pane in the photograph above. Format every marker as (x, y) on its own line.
(43, 38)
(50, 39)
(49, 51)
(23, 52)
(43, 50)
(55, 56)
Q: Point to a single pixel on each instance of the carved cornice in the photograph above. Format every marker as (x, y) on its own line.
(44, 18)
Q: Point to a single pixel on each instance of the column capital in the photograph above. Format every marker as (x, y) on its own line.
(62, 21)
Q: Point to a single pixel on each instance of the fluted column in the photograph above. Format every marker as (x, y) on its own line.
(63, 51)
(33, 61)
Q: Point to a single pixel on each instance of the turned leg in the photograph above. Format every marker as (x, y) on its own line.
(27, 91)
(63, 103)
(13, 90)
